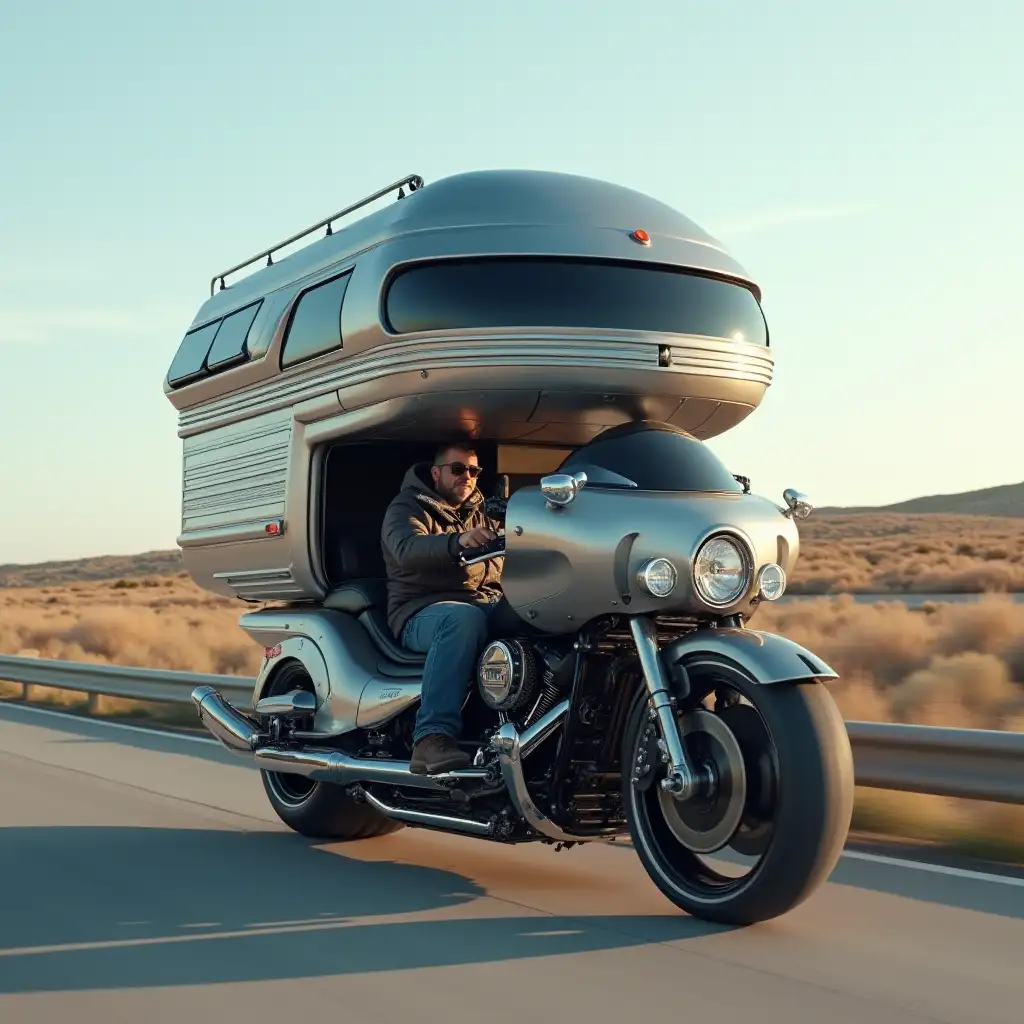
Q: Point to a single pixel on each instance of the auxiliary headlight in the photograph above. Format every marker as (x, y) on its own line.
(771, 581)
(658, 577)
(721, 571)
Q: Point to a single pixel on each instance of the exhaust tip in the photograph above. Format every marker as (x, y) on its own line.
(231, 727)
(200, 693)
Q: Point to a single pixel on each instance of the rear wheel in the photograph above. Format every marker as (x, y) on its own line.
(320, 810)
(779, 794)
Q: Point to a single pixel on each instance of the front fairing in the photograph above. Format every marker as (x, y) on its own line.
(567, 566)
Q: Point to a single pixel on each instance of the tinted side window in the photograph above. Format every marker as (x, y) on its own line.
(654, 459)
(550, 292)
(316, 323)
(231, 344)
(190, 360)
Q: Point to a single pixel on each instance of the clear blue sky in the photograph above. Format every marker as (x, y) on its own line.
(865, 161)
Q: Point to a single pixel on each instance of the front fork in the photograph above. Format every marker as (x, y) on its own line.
(681, 780)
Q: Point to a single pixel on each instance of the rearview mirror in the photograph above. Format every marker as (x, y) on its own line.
(560, 489)
(800, 506)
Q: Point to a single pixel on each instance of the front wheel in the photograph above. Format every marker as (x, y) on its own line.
(778, 790)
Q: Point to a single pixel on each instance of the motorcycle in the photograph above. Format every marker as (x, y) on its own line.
(631, 697)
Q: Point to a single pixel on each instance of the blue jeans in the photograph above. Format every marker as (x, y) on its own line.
(452, 634)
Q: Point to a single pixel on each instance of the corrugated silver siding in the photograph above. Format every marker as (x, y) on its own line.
(237, 474)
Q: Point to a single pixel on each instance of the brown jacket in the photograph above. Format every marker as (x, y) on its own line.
(419, 539)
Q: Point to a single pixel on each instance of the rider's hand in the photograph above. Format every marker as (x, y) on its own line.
(475, 537)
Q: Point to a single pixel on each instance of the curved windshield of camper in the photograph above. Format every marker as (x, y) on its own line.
(584, 293)
(650, 458)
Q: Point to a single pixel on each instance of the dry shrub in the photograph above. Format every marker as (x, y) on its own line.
(971, 689)
(943, 664)
(890, 553)
(958, 665)
(169, 624)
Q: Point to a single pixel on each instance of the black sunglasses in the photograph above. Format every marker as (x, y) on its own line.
(458, 468)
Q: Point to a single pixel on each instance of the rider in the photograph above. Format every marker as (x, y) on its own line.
(437, 605)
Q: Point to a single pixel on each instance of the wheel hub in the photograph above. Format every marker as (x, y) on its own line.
(709, 819)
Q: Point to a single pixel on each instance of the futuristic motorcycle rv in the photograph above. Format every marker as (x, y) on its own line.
(588, 339)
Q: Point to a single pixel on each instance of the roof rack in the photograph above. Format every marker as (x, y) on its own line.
(414, 181)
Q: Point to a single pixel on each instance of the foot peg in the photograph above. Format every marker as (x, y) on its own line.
(297, 704)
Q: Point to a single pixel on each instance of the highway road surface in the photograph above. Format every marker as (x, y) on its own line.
(145, 879)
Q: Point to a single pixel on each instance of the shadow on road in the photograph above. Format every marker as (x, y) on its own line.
(957, 893)
(109, 907)
(954, 892)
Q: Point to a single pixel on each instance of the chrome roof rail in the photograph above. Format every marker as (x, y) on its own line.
(414, 181)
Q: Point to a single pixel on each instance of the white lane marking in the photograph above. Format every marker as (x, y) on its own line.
(874, 858)
(937, 869)
(164, 733)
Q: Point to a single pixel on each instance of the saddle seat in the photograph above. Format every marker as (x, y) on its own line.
(367, 600)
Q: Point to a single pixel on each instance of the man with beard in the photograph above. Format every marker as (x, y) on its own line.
(436, 604)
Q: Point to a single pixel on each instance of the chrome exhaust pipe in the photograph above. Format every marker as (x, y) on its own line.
(445, 821)
(236, 731)
(241, 735)
(343, 770)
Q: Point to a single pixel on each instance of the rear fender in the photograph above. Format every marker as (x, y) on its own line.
(294, 648)
(766, 657)
(334, 649)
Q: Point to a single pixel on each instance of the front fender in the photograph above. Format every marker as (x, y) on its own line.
(765, 657)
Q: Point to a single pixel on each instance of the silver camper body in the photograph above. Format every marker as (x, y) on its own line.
(399, 328)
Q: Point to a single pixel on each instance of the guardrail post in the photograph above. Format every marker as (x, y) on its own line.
(94, 703)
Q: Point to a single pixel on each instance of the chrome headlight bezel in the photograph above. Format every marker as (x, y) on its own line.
(746, 554)
(646, 571)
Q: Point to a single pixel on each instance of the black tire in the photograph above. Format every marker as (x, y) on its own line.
(319, 810)
(808, 748)
(325, 811)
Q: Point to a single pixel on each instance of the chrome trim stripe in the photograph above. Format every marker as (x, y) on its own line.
(265, 584)
(694, 355)
(702, 359)
(232, 534)
(254, 575)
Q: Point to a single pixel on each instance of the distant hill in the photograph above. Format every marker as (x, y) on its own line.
(102, 567)
(1007, 500)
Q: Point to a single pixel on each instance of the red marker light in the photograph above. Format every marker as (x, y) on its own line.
(641, 236)
(271, 652)
(274, 528)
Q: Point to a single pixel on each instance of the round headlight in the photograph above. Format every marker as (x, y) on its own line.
(658, 577)
(771, 581)
(720, 571)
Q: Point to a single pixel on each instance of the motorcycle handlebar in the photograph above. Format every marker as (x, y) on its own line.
(492, 549)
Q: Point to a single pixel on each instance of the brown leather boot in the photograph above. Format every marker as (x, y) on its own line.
(436, 754)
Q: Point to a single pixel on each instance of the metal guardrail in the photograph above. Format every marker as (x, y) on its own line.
(974, 764)
(156, 685)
